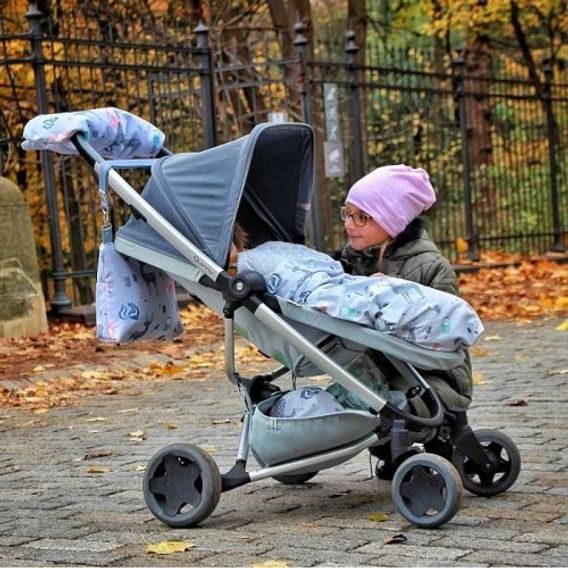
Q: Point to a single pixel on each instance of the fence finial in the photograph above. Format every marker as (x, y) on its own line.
(351, 47)
(299, 39)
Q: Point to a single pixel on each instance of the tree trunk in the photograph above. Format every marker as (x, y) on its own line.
(478, 74)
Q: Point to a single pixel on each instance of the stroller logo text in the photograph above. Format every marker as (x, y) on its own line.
(129, 311)
(197, 261)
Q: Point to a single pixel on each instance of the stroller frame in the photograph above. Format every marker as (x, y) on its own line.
(477, 456)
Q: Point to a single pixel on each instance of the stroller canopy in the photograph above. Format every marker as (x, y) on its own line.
(264, 180)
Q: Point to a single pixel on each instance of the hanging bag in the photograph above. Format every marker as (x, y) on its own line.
(134, 300)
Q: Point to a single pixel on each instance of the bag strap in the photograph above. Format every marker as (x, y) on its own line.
(103, 172)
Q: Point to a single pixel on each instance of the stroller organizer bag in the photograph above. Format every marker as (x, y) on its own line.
(304, 422)
(183, 225)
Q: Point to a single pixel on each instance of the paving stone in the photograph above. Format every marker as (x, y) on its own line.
(84, 545)
(432, 552)
(551, 535)
(497, 558)
(490, 544)
(75, 557)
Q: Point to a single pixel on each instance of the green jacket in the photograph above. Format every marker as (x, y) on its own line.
(413, 256)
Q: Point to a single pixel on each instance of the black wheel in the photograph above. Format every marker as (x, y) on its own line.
(182, 485)
(427, 490)
(505, 462)
(297, 479)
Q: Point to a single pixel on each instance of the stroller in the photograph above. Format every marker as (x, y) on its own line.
(183, 223)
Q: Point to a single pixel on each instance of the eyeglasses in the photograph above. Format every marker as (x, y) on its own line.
(358, 219)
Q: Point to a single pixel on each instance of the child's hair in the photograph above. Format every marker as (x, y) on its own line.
(240, 237)
(239, 244)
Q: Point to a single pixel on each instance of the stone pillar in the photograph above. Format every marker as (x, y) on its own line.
(22, 306)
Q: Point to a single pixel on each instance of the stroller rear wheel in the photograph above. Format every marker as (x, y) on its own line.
(427, 490)
(505, 461)
(182, 485)
(295, 479)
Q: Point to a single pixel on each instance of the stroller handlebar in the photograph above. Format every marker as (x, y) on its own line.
(86, 150)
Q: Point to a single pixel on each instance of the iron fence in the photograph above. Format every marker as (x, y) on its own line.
(494, 143)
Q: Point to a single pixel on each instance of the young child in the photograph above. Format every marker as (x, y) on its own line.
(386, 236)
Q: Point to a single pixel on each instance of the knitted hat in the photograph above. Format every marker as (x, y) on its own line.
(393, 196)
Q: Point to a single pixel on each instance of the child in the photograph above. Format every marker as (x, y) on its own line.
(386, 236)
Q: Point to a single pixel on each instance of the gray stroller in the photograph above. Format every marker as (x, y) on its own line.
(183, 223)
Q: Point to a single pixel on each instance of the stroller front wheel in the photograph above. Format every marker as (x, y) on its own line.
(182, 485)
(504, 458)
(427, 490)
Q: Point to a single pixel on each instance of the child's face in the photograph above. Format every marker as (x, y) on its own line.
(366, 236)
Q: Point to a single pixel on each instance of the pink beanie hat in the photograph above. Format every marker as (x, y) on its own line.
(393, 196)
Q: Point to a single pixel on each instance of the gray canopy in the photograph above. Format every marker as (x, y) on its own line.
(264, 180)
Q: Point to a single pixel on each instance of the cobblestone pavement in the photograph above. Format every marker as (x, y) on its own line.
(58, 510)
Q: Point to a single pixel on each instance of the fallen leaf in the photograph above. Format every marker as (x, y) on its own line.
(128, 410)
(271, 564)
(563, 326)
(477, 351)
(395, 539)
(97, 419)
(95, 455)
(378, 517)
(478, 378)
(462, 246)
(492, 338)
(97, 469)
(551, 372)
(169, 547)
(171, 426)
(517, 402)
(137, 436)
(94, 375)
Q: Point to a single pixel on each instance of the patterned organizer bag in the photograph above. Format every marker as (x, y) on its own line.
(134, 300)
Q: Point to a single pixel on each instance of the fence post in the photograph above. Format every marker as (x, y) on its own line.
(558, 245)
(458, 65)
(304, 88)
(59, 299)
(207, 75)
(356, 155)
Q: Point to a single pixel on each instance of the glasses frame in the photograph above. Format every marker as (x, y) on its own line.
(358, 219)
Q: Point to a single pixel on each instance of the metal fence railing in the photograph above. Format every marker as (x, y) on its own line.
(494, 143)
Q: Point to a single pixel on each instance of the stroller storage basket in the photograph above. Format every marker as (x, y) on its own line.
(276, 439)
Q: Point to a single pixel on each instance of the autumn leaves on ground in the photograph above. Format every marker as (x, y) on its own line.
(68, 363)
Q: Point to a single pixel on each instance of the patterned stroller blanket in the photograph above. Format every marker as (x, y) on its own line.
(421, 315)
